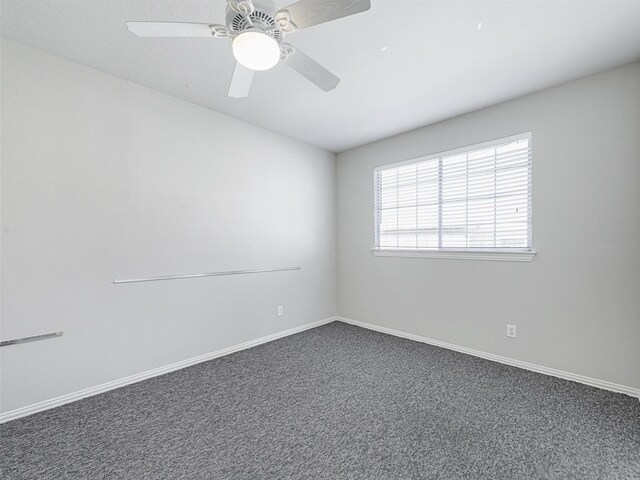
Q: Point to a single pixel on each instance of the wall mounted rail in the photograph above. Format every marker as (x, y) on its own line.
(202, 275)
(35, 338)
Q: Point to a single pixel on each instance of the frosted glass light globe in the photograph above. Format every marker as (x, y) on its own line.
(256, 50)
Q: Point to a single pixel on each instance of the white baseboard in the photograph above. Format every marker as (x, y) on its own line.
(593, 382)
(88, 392)
(105, 387)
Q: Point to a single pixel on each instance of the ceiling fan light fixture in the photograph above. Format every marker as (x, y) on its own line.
(256, 50)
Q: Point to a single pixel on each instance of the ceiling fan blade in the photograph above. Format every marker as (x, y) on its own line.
(241, 81)
(310, 69)
(170, 29)
(307, 13)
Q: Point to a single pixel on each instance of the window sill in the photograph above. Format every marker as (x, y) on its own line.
(496, 256)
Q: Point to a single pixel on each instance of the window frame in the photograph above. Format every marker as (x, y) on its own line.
(494, 254)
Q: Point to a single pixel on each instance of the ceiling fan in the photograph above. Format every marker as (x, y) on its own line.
(256, 29)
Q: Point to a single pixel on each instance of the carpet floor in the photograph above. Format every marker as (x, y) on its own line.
(335, 402)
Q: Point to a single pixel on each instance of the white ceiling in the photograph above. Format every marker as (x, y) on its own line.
(436, 64)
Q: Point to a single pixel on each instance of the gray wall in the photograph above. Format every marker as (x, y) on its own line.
(105, 179)
(577, 305)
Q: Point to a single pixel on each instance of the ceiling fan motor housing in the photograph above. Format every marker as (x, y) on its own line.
(262, 17)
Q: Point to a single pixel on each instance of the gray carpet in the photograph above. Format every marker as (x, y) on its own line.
(336, 402)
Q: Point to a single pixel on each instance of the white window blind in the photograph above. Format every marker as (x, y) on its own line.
(473, 199)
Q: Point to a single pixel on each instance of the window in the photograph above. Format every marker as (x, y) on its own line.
(474, 199)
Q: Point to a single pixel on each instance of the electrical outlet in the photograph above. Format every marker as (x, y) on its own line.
(511, 331)
(280, 311)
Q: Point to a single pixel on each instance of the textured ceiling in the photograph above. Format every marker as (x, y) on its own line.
(403, 64)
